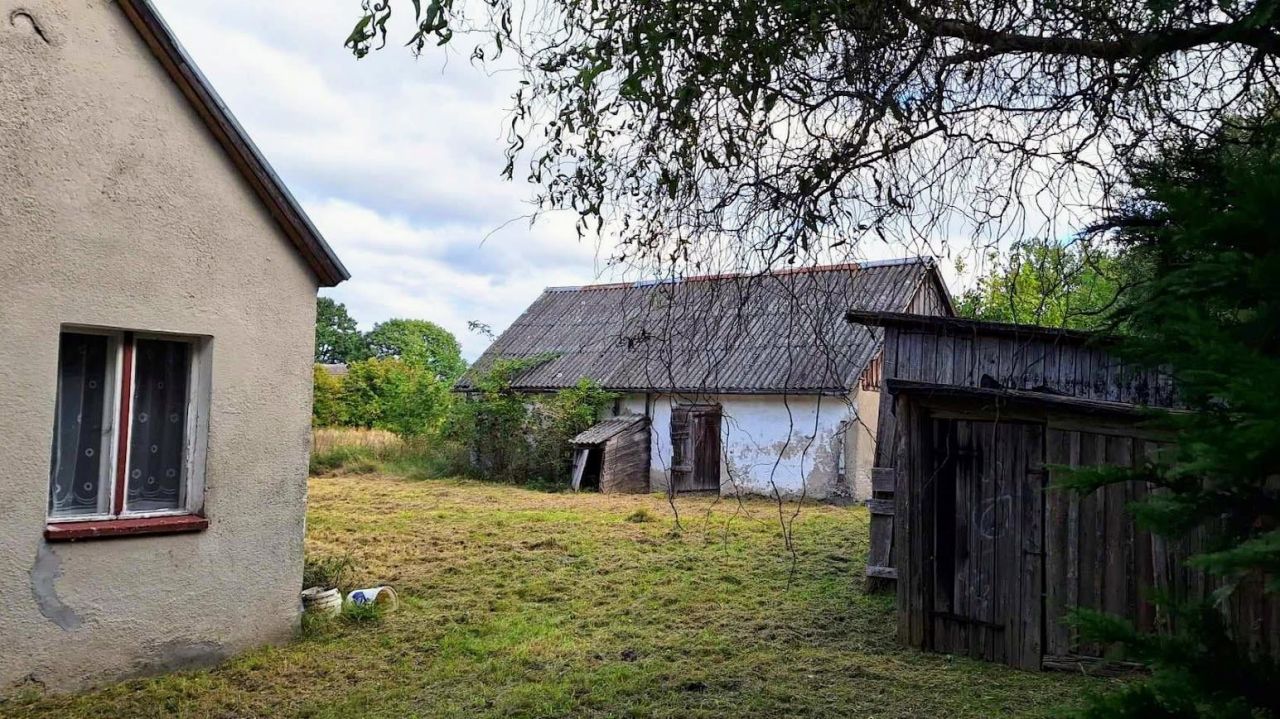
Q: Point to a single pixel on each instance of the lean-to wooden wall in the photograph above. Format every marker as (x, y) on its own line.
(1096, 557)
(993, 559)
(987, 557)
(944, 353)
(625, 468)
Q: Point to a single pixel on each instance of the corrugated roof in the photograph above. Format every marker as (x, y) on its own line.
(337, 369)
(609, 429)
(761, 333)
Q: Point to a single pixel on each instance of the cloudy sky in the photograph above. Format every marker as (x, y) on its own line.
(395, 159)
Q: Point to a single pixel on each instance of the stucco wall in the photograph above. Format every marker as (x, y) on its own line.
(120, 211)
(769, 443)
(860, 442)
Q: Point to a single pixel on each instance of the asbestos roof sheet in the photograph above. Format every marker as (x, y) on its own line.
(759, 333)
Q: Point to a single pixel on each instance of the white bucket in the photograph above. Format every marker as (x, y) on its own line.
(318, 600)
(383, 597)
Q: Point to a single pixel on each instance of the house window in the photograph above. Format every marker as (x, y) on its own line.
(128, 416)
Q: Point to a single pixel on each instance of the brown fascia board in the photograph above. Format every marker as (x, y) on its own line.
(244, 154)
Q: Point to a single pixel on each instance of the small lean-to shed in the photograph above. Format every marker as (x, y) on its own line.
(614, 456)
(987, 555)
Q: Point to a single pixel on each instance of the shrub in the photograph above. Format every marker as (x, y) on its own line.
(329, 572)
(395, 395)
(326, 403)
(523, 438)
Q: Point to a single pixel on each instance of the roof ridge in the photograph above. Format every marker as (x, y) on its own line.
(814, 269)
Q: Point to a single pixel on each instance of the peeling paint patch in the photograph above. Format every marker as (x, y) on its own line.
(823, 479)
(44, 578)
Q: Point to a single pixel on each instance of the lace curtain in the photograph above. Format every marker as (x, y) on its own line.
(157, 437)
(81, 458)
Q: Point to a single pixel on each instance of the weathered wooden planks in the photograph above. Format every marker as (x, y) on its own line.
(942, 351)
(989, 556)
(995, 557)
(972, 573)
(626, 462)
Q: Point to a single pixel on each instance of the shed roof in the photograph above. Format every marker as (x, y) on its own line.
(336, 369)
(609, 429)
(998, 400)
(233, 139)
(965, 326)
(763, 333)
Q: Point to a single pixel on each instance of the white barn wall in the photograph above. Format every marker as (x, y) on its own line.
(791, 445)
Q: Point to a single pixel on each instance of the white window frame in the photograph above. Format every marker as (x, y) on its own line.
(195, 429)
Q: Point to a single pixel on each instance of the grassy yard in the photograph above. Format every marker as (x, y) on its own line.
(525, 604)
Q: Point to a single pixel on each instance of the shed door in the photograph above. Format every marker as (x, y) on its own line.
(695, 448)
(988, 515)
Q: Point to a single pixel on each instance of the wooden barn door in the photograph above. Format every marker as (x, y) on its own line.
(984, 511)
(695, 448)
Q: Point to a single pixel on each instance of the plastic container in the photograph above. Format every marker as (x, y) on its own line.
(318, 600)
(384, 597)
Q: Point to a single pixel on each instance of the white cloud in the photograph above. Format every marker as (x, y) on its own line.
(397, 161)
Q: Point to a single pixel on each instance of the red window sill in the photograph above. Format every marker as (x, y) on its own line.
(107, 529)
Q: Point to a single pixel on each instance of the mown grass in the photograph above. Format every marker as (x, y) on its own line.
(517, 603)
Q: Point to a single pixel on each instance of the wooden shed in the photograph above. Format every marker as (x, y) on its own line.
(613, 456)
(987, 556)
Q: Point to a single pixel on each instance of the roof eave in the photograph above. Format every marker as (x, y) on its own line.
(792, 392)
(949, 396)
(903, 320)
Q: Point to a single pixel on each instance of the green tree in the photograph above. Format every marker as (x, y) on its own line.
(1047, 283)
(326, 402)
(415, 402)
(1204, 217)
(774, 127)
(338, 340)
(362, 393)
(398, 396)
(419, 342)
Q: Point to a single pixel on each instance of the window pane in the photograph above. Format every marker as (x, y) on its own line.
(157, 437)
(80, 474)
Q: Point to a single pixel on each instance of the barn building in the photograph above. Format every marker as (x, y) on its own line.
(748, 384)
(987, 556)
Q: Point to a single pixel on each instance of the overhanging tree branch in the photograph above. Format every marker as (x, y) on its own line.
(737, 133)
(1130, 46)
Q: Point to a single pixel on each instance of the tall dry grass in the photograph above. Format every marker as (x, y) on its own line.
(378, 442)
(346, 450)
